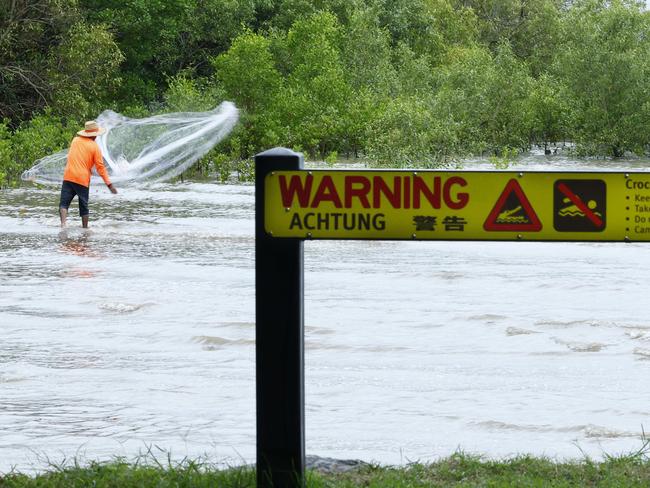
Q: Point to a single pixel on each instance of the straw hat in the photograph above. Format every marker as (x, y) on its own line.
(91, 130)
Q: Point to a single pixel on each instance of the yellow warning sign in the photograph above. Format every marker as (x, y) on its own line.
(458, 205)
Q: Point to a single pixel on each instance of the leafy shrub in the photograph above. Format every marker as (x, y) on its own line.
(409, 133)
(43, 135)
(6, 153)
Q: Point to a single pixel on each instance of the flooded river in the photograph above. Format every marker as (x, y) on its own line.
(139, 335)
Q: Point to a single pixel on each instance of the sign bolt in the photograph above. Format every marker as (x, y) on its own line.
(519, 236)
(413, 236)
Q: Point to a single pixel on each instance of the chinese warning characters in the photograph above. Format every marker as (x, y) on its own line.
(449, 223)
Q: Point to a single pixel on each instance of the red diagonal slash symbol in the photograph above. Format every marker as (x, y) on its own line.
(580, 204)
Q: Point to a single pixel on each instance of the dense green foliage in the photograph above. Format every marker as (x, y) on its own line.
(398, 82)
(456, 471)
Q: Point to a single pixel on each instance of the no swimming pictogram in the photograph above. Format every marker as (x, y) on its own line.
(579, 205)
(512, 212)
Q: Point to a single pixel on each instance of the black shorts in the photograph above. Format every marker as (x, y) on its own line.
(68, 192)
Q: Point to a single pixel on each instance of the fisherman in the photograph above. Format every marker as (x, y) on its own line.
(83, 154)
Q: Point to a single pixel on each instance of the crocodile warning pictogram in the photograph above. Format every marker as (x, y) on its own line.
(512, 212)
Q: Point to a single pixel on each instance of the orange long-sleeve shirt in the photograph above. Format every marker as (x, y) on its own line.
(83, 154)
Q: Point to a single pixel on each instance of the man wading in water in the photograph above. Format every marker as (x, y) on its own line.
(83, 154)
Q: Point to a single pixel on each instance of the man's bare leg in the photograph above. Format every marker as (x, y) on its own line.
(84, 221)
(63, 213)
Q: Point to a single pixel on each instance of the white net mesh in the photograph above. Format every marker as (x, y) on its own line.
(151, 149)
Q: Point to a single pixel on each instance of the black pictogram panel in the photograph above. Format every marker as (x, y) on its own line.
(579, 205)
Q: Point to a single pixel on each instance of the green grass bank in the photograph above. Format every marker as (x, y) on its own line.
(459, 470)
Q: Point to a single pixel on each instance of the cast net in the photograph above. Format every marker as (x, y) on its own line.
(151, 149)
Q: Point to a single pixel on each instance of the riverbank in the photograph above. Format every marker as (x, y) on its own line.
(458, 470)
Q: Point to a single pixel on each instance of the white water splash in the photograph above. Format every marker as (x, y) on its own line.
(155, 148)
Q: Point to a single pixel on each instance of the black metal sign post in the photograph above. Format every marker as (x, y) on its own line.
(279, 340)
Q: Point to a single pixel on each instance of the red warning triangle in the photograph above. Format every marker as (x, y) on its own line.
(512, 212)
